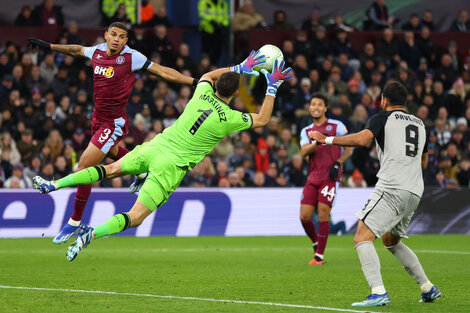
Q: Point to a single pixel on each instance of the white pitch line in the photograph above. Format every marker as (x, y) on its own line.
(189, 298)
(143, 250)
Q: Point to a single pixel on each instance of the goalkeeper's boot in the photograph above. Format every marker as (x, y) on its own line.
(137, 184)
(82, 242)
(68, 231)
(431, 296)
(374, 300)
(317, 260)
(44, 186)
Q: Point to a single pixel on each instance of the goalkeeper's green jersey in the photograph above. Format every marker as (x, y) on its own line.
(206, 120)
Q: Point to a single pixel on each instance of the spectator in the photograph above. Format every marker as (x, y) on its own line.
(78, 141)
(24, 18)
(426, 45)
(338, 23)
(162, 45)
(356, 180)
(214, 19)
(147, 13)
(388, 48)
(120, 15)
(455, 103)
(47, 171)
(427, 20)
(446, 73)
(247, 18)
(222, 172)
(60, 167)
(48, 68)
(409, 50)
(234, 180)
(138, 40)
(353, 92)
(321, 44)
(461, 23)
(463, 175)
(137, 131)
(413, 23)
(272, 178)
(27, 146)
(280, 21)
(297, 172)
(33, 169)
(378, 16)
(262, 156)
(223, 149)
(73, 38)
(238, 156)
(17, 179)
(259, 180)
(341, 44)
(346, 70)
(161, 17)
(454, 56)
(48, 14)
(358, 120)
(287, 140)
(7, 143)
(313, 22)
(442, 132)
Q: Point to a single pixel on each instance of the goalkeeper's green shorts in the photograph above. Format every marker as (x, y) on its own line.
(164, 176)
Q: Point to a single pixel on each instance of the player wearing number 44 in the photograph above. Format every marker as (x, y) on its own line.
(324, 174)
(401, 147)
(206, 120)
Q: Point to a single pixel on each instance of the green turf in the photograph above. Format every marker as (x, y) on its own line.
(264, 269)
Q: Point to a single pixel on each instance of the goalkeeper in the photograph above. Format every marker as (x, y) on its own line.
(206, 120)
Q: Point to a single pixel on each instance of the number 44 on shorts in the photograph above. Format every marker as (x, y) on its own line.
(328, 194)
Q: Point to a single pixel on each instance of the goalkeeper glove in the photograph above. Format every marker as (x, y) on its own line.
(38, 43)
(334, 170)
(246, 67)
(276, 78)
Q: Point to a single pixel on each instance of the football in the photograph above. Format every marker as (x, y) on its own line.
(271, 53)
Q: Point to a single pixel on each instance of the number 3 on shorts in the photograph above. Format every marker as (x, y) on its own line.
(328, 194)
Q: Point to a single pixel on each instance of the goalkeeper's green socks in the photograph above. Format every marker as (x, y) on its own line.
(115, 224)
(87, 176)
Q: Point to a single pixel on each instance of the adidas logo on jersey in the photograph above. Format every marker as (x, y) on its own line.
(107, 72)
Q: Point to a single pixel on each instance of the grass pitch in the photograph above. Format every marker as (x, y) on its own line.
(192, 274)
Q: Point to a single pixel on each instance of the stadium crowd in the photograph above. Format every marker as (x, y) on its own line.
(46, 102)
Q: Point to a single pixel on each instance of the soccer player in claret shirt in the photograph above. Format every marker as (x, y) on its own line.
(206, 120)
(324, 174)
(114, 64)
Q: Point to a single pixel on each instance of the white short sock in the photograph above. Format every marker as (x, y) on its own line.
(73, 222)
(426, 286)
(379, 290)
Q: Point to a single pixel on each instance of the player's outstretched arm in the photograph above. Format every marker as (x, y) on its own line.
(246, 67)
(361, 138)
(73, 50)
(274, 80)
(171, 75)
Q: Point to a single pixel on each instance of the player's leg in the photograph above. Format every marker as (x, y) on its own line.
(323, 230)
(114, 225)
(118, 152)
(373, 223)
(370, 263)
(91, 156)
(307, 206)
(409, 260)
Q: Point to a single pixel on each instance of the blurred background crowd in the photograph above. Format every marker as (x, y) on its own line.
(46, 98)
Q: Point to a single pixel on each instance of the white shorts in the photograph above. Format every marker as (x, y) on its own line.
(389, 210)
